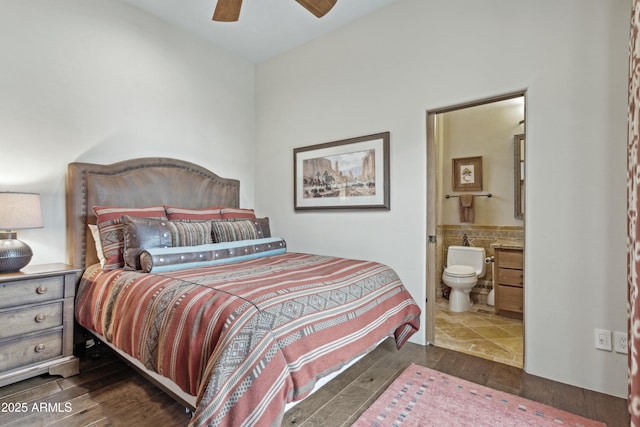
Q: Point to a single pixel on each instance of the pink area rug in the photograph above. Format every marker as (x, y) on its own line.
(424, 397)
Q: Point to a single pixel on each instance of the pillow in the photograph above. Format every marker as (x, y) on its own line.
(96, 239)
(160, 260)
(237, 213)
(145, 233)
(187, 214)
(109, 221)
(230, 231)
(262, 227)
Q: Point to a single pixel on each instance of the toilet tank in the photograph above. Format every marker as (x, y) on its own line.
(468, 255)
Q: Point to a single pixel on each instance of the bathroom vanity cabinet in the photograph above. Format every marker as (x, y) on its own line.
(509, 281)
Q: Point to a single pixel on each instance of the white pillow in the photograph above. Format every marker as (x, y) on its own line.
(95, 232)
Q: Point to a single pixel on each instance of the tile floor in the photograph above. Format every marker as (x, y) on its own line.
(480, 332)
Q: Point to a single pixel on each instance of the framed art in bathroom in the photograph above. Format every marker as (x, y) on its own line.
(467, 174)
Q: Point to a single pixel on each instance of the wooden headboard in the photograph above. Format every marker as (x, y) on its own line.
(137, 183)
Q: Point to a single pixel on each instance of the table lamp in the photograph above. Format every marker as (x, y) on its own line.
(17, 211)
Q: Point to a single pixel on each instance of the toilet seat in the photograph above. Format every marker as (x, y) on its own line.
(460, 271)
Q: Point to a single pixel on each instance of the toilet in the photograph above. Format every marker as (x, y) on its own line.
(465, 264)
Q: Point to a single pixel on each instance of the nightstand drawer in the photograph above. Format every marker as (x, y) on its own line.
(30, 319)
(30, 350)
(29, 291)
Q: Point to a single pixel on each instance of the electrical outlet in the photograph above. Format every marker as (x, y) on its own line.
(620, 343)
(603, 339)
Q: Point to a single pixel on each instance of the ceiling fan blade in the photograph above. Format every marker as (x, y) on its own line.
(227, 10)
(318, 7)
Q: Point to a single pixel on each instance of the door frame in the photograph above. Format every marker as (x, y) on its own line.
(432, 197)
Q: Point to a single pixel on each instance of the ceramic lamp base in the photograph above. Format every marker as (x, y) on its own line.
(14, 254)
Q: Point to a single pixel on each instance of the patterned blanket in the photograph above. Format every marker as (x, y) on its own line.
(247, 338)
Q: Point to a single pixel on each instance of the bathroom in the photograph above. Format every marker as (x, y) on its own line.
(488, 138)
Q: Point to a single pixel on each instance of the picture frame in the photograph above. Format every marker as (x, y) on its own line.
(467, 174)
(347, 174)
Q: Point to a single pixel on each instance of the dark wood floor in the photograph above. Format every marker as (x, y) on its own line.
(109, 393)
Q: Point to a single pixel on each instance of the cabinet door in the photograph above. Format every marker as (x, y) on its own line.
(510, 298)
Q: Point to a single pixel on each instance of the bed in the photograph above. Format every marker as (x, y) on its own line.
(236, 329)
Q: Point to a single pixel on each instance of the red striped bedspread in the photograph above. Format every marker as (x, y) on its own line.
(248, 337)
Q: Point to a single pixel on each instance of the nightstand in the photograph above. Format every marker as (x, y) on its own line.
(36, 318)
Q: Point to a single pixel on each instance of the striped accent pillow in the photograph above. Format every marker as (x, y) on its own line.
(190, 233)
(147, 233)
(109, 221)
(188, 214)
(237, 213)
(231, 231)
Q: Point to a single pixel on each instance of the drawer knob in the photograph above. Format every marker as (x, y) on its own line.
(41, 290)
(40, 348)
(41, 317)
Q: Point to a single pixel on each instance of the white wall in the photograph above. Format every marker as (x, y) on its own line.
(100, 81)
(487, 131)
(385, 71)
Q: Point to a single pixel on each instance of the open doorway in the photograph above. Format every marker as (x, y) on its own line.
(490, 135)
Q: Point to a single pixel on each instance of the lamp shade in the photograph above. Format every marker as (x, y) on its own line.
(20, 210)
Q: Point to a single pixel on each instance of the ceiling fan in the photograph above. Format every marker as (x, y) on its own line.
(229, 10)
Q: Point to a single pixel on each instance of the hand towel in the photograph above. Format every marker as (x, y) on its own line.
(466, 208)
